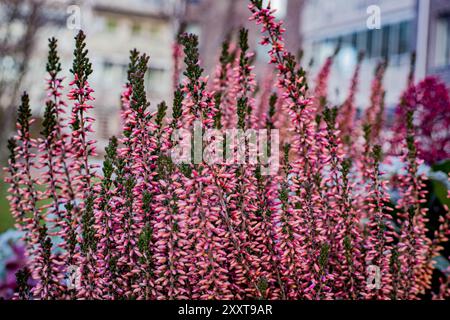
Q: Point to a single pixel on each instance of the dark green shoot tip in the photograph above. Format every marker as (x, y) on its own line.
(225, 54)
(12, 144)
(338, 48)
(218, 114)
(410, 120)
(144, 239)
(133, 64)
(24, 114)
(243, 39)
(82, 67)
(413, 60)
(323, 258)
(162, 109)
(257, 3)
(110, 159)
(346, 165)
(139, 102)
(50, 122)
(272, 103)
(190, 43)
(330, 115)
(263, 284)
(53, 63)
(242, 112)
(23, 289)
(318, 119)
(300, 55)
(286, 150)
(88, 231)
(367, 128)
(361, 56)
(272, 110)
(111, 148)
(177, 106)
(377, 153)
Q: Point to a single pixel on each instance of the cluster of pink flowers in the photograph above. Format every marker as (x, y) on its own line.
(150, 228)
(430, 100)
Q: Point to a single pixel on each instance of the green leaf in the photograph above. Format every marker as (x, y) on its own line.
(441, 192)
(443, 166)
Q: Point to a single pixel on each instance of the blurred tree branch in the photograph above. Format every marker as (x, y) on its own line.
(20, 21)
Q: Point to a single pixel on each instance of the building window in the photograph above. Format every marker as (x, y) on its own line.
(103, 120)
(369, 43)
(136, 28)
(155, 30)
(107, 68)
(361, 41)
(9, 67)
(153, 79)
(355, 41)
(394, 37)
(443, 41)
(404, 42)
(386, 40)
(111, 73)
(346, 41)
(377, 38)
(391, 41)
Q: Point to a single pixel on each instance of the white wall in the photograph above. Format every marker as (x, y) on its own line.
(324, 19)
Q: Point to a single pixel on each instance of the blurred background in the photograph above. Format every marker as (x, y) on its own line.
(114, 27)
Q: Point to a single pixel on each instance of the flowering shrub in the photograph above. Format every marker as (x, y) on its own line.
(323, 226)
(430, 100)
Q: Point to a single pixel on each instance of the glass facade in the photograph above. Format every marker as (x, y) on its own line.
(443, 42)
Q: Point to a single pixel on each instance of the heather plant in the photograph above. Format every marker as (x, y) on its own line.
(430, 100)
(147, 226)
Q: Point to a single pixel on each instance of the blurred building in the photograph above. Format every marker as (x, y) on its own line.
(327, 23)
(406, 26)
(113, 28)
(434, 38)
(213, 20)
